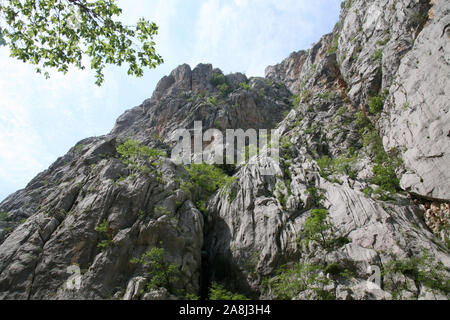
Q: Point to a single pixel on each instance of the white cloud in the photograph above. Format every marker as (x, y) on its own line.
(22, 152)
(248, 35)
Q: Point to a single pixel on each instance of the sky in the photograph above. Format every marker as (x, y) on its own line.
(40, 120)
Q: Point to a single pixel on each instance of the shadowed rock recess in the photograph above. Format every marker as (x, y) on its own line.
(362, 190)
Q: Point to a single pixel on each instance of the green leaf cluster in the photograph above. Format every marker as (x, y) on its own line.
(160, 273)
(422, 269)
(203, 180)
(302, 277)
(224, 89)
(329, 166)
(106, 231)
(378, 55)
(57, 34)
(132, 153)
(218, 292)
(319, 229)
(217, 79)
(245, 86)
(384, 169)
(4, 216)
(213, 100)
(375, 104)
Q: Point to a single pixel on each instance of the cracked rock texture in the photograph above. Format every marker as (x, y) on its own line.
(395, 50)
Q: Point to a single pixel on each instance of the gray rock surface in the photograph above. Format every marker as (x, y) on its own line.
(332, 141)
(417, 120)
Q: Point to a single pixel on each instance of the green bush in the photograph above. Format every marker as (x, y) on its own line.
(161, 273)
(375, 104)
(342, 164)
(385, 177)
(334, 47)
(283, 192)
(361, 121)
(342, 110)
(245, 86)
(217, 79)
(316, 227)
(218, 292)
(224, 89)
(201, 95)
(306, 96)
(378, 55)
(79, 147)
(384, 169)
(296, 100)
(346, 4)
(106, 231)
(286, 142)
(213, 100)
(316, 195)
(384, 174)
(367, 191)
(291, 281)
(203, 180)
(422, 269)
(131, 153)
(319, 229)
(3, 216)
(384, 41)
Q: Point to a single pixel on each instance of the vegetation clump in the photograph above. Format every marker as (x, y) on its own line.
(203, 180)
(59, 34)
(422, 269)
(218, 292)
(305, 278)
(217, 79)
(4, 216)
(378, 55)
(245, 86)
(335, 45)
(213, 100)
(107, 234)
(319, 229)
(385, 165)
(133, 154)
(375, 104)
(344, 165)
(160, 273)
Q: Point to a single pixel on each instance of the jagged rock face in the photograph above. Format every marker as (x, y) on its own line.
(61, 233)
(397, 50)
(417, 120)
(295, 70)
(90, 185)
(184, 97)
(259, 228)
